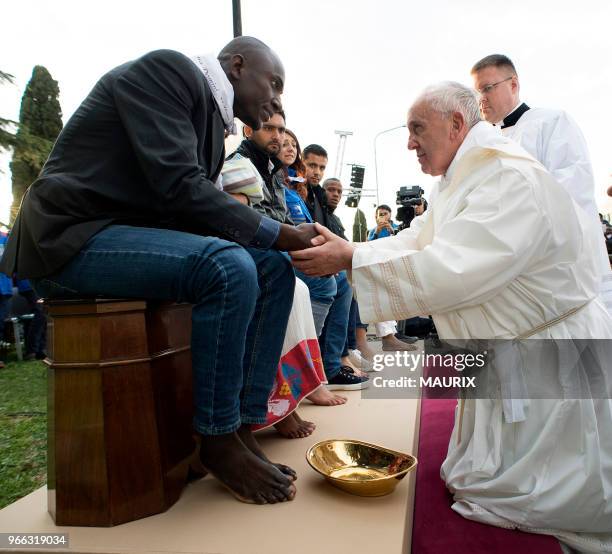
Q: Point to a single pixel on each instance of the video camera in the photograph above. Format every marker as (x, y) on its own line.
(407, 198)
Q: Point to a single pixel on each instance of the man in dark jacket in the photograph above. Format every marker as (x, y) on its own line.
(262, 147)
(127, 206)
(315, 162)
(333, 195)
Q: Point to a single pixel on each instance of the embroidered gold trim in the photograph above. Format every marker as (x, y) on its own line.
(414, 283)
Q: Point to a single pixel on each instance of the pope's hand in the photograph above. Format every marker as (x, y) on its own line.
(328, 255)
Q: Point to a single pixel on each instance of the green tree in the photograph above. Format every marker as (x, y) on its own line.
(7, 138)
(360, 227)
(40, 122)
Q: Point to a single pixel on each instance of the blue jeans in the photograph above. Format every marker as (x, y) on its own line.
(351, 337)
(241, 302)
(333, 337)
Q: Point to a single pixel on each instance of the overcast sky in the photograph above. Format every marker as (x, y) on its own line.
(351, 65)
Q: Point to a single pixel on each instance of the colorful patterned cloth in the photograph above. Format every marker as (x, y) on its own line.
(300, 370)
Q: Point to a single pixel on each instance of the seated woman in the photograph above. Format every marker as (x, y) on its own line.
(296, 192)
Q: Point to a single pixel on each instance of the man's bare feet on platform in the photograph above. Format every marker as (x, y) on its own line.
(324, 397)
(249, 440)
(294, 427)
(247, 476)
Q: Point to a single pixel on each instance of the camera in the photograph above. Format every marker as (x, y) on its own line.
(407, 198)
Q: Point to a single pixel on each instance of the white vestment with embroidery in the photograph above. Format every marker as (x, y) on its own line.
(503, 251)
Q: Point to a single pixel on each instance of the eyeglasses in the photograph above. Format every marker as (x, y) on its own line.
(488, 88)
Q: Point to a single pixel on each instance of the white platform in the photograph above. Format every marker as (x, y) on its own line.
(320, 520)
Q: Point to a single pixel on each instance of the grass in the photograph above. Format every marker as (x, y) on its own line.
(23, 429)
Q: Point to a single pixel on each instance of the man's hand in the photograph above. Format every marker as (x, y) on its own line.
(242, 198)
(296, 238)
(328, 255)
(383, 223)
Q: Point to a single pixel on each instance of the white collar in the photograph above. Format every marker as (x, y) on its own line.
(222, 90)
(479, 135)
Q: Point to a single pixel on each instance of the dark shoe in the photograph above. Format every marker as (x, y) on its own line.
(41, 355)
(347, 380)
(405, 338)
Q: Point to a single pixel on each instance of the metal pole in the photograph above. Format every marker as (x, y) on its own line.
(237, 18)
(340, 141)
(376, 160)
(340, 153)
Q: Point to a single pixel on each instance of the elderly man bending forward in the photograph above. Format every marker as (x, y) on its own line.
(503, 253)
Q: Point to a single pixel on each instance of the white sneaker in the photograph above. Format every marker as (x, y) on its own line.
(359, 361)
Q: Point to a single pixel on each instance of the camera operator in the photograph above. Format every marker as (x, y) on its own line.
(412, 204)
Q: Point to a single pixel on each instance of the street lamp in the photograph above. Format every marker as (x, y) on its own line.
(376, 160)
(340, 153)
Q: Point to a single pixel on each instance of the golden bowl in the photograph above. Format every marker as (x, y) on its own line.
(359, 467)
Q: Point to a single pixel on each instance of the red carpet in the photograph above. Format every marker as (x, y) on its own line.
(436, 528)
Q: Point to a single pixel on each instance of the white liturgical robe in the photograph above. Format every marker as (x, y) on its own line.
(554, 139)
(504, 252)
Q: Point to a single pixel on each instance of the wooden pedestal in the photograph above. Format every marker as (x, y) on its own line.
(120, 408)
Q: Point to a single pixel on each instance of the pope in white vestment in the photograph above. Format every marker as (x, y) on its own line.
(504, 252)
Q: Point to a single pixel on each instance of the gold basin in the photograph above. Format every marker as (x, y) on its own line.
(359, 467)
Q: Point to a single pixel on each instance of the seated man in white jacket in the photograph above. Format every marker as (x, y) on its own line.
(503, 253)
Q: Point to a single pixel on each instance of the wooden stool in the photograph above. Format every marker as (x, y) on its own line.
(120, 409)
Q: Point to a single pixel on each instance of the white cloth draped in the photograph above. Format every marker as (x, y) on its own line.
(502, 250)
(220, 86)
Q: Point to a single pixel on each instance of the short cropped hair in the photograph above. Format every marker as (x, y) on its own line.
(383, 207)
(448, 97)
(494, 60)
(315, 150)
(330, 180)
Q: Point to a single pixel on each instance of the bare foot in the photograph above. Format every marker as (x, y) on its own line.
(324, 397)
(366, 351)
(249, 478)
(293, 427)
(359, 372)
(354, 369)
(249, 440)
(303, 423)
(390, 343)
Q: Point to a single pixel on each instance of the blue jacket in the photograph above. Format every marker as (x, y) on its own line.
(384, 233)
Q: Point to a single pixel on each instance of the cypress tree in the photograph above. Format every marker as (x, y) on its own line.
(7, 138)
(40, 122)
(360, 227)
